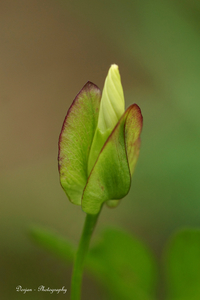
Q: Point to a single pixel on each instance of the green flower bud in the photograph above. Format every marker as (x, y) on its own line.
(99, 145)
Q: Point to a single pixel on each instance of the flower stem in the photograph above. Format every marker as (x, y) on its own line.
(88, 229)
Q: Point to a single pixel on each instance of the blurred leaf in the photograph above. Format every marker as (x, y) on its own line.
(53, 243)
(124, 266)
(182, 264)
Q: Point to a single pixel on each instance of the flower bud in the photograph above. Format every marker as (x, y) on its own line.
(99, 145)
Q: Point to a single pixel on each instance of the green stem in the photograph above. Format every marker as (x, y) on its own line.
(88, 228)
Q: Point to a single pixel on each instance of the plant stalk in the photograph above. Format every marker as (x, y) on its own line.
(90, 222)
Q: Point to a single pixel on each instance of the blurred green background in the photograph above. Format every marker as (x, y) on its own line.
(49, 49)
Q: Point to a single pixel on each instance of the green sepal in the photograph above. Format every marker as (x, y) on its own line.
(112, 203)
(133, 129)
(133, 147)
(110, 177)
(75, 141)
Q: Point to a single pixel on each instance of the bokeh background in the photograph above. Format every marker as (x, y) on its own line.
(48, 50)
